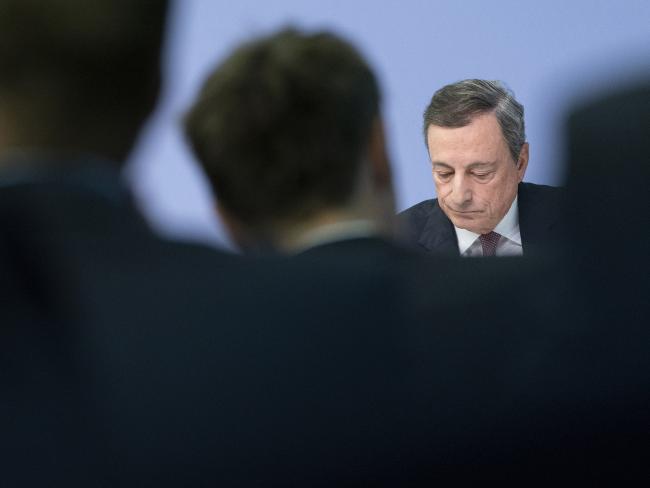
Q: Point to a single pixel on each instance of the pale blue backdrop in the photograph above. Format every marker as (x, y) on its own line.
(548, 52)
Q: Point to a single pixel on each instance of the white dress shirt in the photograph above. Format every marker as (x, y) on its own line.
(509, 244)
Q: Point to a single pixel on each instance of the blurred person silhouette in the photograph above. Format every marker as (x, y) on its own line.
(606, 220)
(84, 273)
(47, 434)
(288, 130)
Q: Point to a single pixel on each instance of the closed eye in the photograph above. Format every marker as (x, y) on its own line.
(443, 175)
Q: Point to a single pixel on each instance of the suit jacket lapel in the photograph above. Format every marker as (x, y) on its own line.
(438, 235)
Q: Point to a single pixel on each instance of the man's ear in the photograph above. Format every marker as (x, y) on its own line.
(378, 156)
(522, 161)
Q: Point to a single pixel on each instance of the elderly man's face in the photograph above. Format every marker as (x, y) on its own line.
(475, 176)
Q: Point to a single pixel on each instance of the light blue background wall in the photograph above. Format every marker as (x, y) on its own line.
(548, 52)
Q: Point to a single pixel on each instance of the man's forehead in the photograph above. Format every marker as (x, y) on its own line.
(479, 141)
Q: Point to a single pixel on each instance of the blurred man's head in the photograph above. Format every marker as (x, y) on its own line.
(288, 131)
(78, 75)
(474, 131)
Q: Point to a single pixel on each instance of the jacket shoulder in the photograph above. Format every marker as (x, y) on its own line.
(419, 210)
(536, 191)
(413, 219)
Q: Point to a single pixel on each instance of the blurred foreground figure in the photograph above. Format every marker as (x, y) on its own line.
(289, 132)
(609, 145)
(82, 275)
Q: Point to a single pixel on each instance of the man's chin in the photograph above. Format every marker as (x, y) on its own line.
(471, 225)
(471, 220)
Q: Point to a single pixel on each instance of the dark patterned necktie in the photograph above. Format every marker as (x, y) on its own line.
(489, 243)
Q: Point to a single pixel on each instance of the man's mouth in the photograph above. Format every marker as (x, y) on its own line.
(464, 212)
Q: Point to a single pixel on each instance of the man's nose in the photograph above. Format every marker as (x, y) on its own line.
(461, 191)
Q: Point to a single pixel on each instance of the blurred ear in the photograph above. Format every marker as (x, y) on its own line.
(381, 179)
(235, 229)
(378, 156)
(522, 162)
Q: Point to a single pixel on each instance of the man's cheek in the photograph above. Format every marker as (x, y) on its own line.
(443, 189)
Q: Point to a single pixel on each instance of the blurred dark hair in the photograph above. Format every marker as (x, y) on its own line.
(281, 126)
(74, 66)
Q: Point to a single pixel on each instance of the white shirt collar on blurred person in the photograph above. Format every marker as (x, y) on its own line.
(339, 231)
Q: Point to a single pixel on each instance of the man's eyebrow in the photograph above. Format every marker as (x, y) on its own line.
(438, 164)
(481, 164)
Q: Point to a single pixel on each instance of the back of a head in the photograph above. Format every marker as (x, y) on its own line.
(77, 75)
(281, 126)
(455, 105)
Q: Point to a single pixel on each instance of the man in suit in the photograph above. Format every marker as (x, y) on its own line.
(47, 434)
(85, 277)
(605, 132)
(474, 132)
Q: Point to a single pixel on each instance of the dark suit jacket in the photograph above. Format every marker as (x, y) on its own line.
(427, 227)
(94, 296)
(46, 434)
(607, 221)
(467, 339)
(503, 374)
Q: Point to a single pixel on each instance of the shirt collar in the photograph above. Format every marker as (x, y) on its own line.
(508, 227)
(339, 231)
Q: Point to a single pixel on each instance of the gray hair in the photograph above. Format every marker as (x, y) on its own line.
(456, 104)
